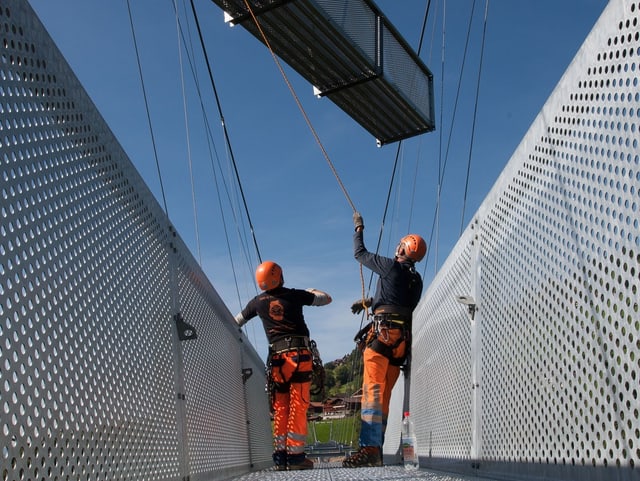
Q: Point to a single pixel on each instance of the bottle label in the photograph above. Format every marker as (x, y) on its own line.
(408, 451)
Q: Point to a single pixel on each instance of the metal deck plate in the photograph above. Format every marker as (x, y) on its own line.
(335, 472)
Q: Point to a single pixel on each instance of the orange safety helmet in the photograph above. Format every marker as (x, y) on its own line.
(412, 246)
(269, 275)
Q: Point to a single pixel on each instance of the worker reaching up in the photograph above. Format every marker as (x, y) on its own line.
(290, 361)
(398, 291)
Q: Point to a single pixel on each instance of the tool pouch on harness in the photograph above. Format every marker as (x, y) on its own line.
(365, 336)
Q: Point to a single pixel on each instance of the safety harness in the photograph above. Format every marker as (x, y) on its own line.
(291, 343)
(372, 335)
(298, 344)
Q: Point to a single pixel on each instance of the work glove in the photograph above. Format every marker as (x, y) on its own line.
(357, 220)
(357, 306)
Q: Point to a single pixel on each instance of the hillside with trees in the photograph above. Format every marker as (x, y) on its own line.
(343, 376)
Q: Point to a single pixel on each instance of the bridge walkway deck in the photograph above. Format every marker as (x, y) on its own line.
(333, 471)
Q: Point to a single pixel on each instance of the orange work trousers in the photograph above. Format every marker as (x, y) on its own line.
(291, 371)
(378, 380)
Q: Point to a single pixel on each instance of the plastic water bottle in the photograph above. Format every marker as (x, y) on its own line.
(409, 443)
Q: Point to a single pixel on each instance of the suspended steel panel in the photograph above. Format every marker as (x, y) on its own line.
(351, 54)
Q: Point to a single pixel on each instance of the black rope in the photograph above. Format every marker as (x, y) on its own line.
(226, 133)
(424, 25)
(213, 153)
(475, 115)
(399, 148)
(442, 172)
(146, 104)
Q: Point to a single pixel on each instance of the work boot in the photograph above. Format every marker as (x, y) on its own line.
(280, 460)
(306, 463)
(365, 456)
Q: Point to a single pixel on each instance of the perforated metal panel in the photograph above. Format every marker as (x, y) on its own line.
(94, 381)
(544, 380)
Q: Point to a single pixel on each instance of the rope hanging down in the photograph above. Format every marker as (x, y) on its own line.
(309, 124)
(297, 100)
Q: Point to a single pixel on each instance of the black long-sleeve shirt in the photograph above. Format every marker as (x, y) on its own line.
(398, 284)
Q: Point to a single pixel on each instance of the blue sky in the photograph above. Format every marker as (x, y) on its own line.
(300, 216)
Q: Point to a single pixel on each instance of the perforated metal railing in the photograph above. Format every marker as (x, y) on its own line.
(95, 381)
(544, 380)
(533, 374)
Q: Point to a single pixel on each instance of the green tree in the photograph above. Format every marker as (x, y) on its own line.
(330, 380)
(342, 374)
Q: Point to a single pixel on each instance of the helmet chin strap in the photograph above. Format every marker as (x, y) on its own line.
(400, 254)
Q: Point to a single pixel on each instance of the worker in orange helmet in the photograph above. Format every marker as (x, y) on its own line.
(290, 360)
(388, 339)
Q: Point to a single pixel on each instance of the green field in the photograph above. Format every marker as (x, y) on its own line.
(343, 430)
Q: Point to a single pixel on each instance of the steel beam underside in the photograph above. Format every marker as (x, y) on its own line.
(351, 55)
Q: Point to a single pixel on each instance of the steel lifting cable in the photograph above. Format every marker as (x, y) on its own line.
(153, 136)
(435, 225)
(415, 176)
(398, 150)
(397, 157)
(230, 154)
(187, 135)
